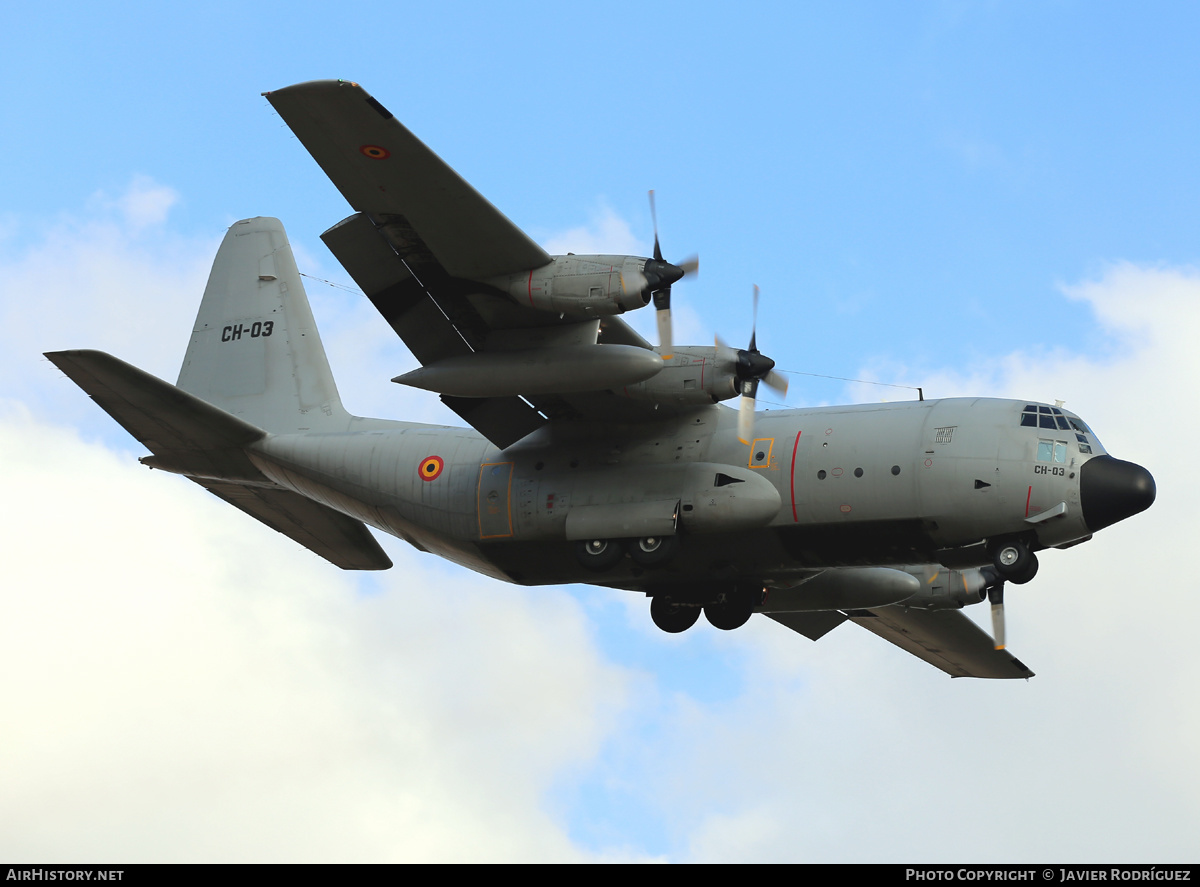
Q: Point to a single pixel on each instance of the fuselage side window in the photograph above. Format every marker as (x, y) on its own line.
(1045, 450)
(1060, 451)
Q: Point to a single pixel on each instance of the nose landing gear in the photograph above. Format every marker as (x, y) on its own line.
(1014, 561)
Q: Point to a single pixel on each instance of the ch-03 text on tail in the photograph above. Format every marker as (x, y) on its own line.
(593, 456)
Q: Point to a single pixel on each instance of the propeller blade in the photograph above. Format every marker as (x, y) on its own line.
(725, 353)
(690, 265)
(654, 220)
(754, 324)
(663, 316)
(996, 598)
(746, 419)
(777, 382)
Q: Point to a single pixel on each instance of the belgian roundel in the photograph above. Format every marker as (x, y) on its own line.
(375, 152)
(431, 468)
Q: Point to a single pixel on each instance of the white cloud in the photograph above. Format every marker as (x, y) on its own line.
(146, 202)
(606, 233)
(181, 683)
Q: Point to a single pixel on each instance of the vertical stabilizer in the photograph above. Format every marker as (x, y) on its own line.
(255, 351)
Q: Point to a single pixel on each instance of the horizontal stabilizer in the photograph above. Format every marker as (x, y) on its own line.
(341, 540)
(188, 435)
(192, 437)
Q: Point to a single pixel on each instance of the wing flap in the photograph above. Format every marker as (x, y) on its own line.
(383, 169)
(341, 540)
(502, 420)
(398, 296)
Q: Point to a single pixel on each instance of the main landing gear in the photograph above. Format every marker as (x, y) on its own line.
(729, 609)
(671, 616)
(599, 555)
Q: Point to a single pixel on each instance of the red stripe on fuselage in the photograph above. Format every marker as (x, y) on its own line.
(795, 447)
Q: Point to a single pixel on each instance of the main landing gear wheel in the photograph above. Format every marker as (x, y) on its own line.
(1015, 562)
(672, 617)
(599, 554)
(654, 551)
(731, 609)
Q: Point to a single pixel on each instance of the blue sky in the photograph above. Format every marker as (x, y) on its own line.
(980, 198)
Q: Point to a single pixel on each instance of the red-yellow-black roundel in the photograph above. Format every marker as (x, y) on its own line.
(431, 467)
(375, 152)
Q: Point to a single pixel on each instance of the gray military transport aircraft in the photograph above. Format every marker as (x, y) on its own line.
(593, 456)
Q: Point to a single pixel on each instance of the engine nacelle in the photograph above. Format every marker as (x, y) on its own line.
(586, 286)
(692, 377)
(943, 589)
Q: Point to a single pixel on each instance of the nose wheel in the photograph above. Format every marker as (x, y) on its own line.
(1014, 561)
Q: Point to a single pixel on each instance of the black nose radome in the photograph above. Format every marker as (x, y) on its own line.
(1111, 490)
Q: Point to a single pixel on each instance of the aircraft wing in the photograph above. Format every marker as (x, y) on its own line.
(946, 639)
(418, 245)
(383, 170)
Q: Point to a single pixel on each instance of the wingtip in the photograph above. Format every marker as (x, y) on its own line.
(311, 86)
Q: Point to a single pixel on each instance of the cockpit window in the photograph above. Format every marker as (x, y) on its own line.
(1037, 416)
(1052, 451)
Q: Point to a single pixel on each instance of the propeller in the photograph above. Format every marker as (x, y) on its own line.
(751, 367)
(660, 275)
(995, 593)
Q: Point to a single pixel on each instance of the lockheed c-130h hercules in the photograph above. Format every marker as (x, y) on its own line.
(593, 456)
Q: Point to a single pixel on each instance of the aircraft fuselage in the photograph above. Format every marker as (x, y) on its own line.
(900, 483)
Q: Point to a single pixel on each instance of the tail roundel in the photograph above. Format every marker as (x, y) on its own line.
(255, 351)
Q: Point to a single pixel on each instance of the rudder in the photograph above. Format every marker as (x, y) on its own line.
(255, 351)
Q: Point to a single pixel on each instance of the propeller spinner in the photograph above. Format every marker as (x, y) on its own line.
(750, 367)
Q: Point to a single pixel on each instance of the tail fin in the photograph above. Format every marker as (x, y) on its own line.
(255, 351)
